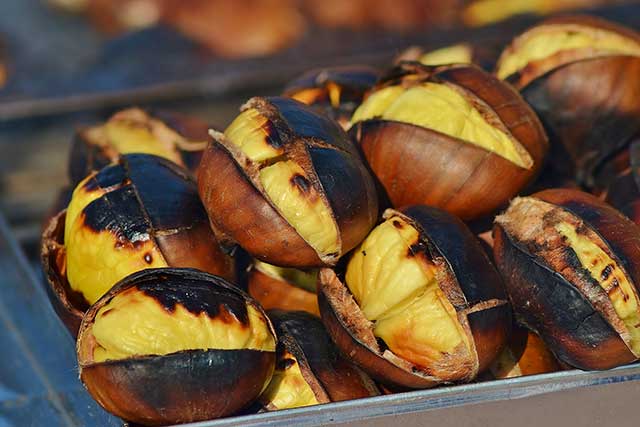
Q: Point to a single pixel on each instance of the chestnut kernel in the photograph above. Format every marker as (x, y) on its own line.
(473, 142)
(168, 346)
(174, 136)
(309, 368)
(571, 263)
(419, 304)
(142, 212)
(283, 288)
(287, 185)
(335, 92)
(579, 73)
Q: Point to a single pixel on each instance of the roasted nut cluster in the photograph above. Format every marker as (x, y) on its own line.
(321, 252)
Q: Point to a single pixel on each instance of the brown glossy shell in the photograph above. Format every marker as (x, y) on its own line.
(240, 213)
(574, 329)
(273, 293)
(623, 191)
(186, 386)
(330, 375)
(472, 285)
(588, 102)
(420, 166)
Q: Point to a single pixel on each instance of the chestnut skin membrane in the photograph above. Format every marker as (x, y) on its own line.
(394, 332)
(283, 288)
(309, 368)
(335, 92)
(171, 135)
(582, 82)
(570, 264)
(467, 170)
(205, 372)
(287, 185)
(142, 212)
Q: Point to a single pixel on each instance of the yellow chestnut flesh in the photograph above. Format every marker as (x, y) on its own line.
(604, 270)
(285, 183)
(398, 291)
(288, 388)
(302, 279)
(133, 323)
(444, 109)
(545, 41)
(455, 54)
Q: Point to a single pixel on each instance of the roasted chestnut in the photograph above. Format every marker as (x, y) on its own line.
(309, 368)
(623, 190)
(142, 212)
(174, 136)
(335, 92)
(571, 264)
(451, 136)
(580, 74)
(419, 304)
(283, 288)
(287, 185)
(484, 55)
(524, 354)
(168, 346)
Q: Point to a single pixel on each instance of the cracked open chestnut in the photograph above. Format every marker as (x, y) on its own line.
(580, 74)
(142, 212)
(450, 136)
(309, 368)
(171, 135)
(524, 354)
(283, 288)
(335, 92)
(287, 185)
(571, 264)
(168, 346)
(419, 304)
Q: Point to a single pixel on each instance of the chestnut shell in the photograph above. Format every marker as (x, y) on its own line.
(545, 302)
(444, 171)
(476, 284)
(240, 214)
(352, 81)
(186, 386)
(331, 376)
(166, 199)
(86, 157)
(587, 104)
(275, 294)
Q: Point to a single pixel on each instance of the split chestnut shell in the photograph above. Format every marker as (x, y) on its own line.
(170, 346)
(571, 264)
(309, 368)
(174, 136)
(450, 136)
(419, 303)
(580, 74)
(287, 185)
(335, 92)
(142, 212)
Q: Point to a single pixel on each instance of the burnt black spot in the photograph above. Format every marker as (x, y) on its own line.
(148, 258)
(606, 272)
(416, 248)
(397, 224)
(383, 345)
(285, 363)
(138, 244)
(364, 253)
(273, 138)
(301, 182)
(197, 296)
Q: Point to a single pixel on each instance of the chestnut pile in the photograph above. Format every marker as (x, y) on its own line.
(324, 246)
